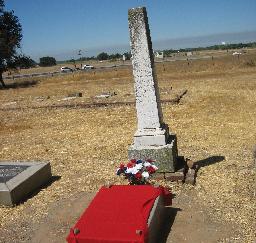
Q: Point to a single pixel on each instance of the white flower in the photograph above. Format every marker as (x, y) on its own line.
(154, 167)
(132, 170)
(139, 166)
(147, 164)
(145, 174)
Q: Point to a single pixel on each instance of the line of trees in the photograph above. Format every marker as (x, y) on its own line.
(24, 62)
(103, 56)
(214, 47)
(47, 61)
(10, 38)
(10, 42)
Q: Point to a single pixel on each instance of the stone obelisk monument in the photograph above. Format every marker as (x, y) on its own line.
(152, 139)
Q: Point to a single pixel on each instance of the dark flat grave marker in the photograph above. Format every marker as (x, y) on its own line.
(7, 172)
(19, 179)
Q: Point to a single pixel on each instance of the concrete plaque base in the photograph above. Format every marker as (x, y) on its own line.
(152, 137)
(18, 179)
(165, 156)
(156, 219)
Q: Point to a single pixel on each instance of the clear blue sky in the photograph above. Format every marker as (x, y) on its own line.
(61, 27)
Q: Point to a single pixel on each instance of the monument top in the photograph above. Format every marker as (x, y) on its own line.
(152, 139)
(148, 107)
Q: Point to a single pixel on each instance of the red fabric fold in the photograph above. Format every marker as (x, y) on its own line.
(116, 213)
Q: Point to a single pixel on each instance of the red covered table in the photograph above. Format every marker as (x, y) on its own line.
(118, 214)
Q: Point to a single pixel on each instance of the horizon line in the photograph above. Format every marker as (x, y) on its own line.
(161, 44)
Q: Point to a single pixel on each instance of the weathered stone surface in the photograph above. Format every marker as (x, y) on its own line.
(190, 177)
(7, 172)
(165, 157)
(151, 140)
(176, 176)
(156, 219)
(149, 112)
(151, 137)
(18, 179)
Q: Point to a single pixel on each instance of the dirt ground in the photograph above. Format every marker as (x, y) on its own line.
(214, 123)
(186, 221)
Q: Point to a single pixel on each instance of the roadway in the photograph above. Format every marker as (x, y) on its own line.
(99, 68)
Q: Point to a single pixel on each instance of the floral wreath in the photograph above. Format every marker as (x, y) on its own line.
(137, 171)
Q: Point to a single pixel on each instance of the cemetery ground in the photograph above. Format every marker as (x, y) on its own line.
(214, 123)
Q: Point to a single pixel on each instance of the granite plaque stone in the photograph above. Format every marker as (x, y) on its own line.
(19, 179)
(7, 172)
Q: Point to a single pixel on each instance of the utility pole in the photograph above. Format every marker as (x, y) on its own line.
(79, 57)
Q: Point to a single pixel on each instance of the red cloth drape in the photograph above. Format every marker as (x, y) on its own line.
(116, 213)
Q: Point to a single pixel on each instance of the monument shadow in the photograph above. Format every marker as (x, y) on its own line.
(209, 161)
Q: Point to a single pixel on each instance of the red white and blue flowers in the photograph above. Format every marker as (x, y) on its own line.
(137, 171)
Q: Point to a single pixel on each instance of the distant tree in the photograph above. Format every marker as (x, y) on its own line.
(81, 59)
(127, 55)
(23, 61)
(1, 5)
(102, 56)
(10, 38)
(47, 61)
(91, 58)
(115, 56)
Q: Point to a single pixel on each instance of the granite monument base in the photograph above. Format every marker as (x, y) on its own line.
(165, 156)
(19, 179)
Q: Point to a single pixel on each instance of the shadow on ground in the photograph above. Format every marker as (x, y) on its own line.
(170, 214)
(21, 84)
(35, 192)
(209, 161)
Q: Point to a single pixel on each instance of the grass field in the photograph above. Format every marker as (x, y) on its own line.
(216, 117)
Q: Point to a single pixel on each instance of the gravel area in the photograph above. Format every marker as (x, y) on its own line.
(214, 123)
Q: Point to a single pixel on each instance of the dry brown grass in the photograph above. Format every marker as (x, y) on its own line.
(216, 117)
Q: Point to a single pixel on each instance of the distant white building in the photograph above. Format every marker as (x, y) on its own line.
(159, 54)
(236, 53)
